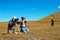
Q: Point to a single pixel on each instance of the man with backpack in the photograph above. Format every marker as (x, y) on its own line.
(12, 23)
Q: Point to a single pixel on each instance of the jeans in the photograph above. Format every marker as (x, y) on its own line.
(25, 30)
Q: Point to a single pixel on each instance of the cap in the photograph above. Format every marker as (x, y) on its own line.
(14, 17)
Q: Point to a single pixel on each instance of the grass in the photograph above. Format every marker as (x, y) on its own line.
(40, 30)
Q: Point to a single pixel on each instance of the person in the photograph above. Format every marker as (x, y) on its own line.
(23, 25)
(52, 20)
(12, 23)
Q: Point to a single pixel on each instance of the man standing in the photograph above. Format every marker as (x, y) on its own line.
(52, 20)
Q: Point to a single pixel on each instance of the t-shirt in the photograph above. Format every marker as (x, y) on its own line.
(23, 24)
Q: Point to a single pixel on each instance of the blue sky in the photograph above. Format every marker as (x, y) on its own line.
(30, 9)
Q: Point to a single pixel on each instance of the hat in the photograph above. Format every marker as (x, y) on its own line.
(14, 17)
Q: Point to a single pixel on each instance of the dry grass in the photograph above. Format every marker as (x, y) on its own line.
(40, 30)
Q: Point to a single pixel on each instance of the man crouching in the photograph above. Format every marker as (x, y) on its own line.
(11, 24)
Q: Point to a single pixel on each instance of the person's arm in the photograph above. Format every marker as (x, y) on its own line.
(10, 22)
(25, 21)
(18, 22)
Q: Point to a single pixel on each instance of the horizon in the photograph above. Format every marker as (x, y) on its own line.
(30, 9)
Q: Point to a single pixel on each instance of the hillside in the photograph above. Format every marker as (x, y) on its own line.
(38, 30)
(56, 17)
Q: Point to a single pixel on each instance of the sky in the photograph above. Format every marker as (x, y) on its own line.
(30, 9)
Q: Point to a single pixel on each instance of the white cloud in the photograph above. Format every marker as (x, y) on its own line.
(34, 9)
(31, 9)
(59, 7)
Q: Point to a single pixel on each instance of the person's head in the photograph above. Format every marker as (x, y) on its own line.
(52, 16)
(15, 18)
(23, 18)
